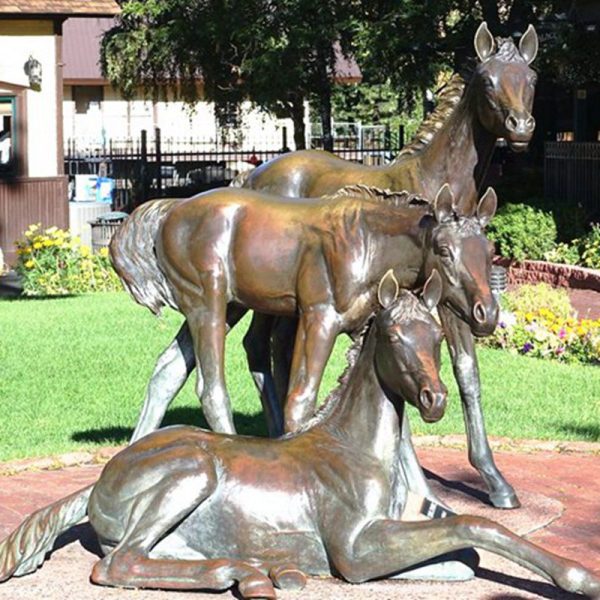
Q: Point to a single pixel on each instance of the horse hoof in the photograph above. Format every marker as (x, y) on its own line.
(287, 577)
(256, 588)
(505, 500)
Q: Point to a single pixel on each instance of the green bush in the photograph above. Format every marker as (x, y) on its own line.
(590, 248)
(530, 298)
(566, 254)
(523, 232)
(53, 263)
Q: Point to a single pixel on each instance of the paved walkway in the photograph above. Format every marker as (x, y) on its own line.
(561, 502)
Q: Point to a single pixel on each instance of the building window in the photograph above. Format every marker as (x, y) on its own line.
(8, 141)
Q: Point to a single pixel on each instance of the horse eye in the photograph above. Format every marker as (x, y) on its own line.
(445, 252)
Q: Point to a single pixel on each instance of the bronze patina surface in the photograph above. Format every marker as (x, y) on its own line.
(185, 508)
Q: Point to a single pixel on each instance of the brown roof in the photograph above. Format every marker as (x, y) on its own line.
(81, 53)
(81, 49)
(59, 7)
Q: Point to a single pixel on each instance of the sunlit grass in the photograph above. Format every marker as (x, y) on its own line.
(73, 373)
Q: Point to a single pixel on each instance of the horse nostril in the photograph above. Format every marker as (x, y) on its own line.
(530, 124)
(512, 123)
(479, 313)
(426, 398)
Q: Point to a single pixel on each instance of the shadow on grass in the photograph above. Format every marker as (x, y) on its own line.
(245, 425)
(586, 433)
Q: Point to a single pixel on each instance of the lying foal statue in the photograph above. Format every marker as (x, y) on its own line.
(185, 508)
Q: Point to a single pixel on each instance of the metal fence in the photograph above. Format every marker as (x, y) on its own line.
(572, 174)
(151, 167)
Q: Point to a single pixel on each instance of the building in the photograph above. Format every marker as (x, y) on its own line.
(33, 187)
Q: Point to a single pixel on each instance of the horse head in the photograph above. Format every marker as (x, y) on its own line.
(460, 252)
(407, 356)
(504, 85)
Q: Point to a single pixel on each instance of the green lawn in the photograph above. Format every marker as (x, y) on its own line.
(73, 373)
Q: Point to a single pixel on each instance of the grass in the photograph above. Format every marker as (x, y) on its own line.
(73, 373)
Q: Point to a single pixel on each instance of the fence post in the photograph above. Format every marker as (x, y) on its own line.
(144, 187)
(159, 185)
(400, 137)
(284, 140)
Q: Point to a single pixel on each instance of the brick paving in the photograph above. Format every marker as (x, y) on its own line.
(586, 303)
(560, 495)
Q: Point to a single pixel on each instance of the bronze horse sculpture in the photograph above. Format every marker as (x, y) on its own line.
(454, 145)
(185, 508)
(224, 251)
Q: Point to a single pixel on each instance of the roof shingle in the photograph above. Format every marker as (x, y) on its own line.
(59, 7)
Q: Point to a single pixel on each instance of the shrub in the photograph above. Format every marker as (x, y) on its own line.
(533, 298)
(523, 232)
(53, 263)
(590, 248)
(566, 254)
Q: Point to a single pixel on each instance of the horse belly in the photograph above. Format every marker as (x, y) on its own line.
(244, 522)
(264, 259)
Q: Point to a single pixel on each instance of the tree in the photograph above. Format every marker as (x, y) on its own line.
(276, 53)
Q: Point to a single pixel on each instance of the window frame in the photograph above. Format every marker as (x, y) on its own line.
(10, 168)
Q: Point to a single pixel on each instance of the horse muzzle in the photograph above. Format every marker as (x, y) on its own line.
(432, 405)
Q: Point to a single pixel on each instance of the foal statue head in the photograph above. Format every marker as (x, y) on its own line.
(408, 354)
(505, 85)
(459, 250)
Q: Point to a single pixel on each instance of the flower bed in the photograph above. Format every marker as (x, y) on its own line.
(53, 263)
(539, 321)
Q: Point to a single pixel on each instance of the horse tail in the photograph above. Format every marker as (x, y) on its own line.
(240, 179)
(24, 550)
(134, 259)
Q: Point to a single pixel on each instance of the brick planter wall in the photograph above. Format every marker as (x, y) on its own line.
(537, 271)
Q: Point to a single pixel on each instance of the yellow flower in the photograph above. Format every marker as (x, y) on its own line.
(29, 264)
(104, 252)
(529, 317)
(51, 230)
(85, 251)
(47, 243)
(37, 245)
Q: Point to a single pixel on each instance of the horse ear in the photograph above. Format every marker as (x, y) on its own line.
(529, 44)
(486, 209)
(432, 290)
(485, 45)
(388, 289)
(443, 205)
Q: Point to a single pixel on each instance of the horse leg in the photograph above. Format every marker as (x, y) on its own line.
(466, 371)
(385, 546)
(258, 352)
(172, 369)
(206, 313)
(317, 331)
(157, 512)
(282, 351)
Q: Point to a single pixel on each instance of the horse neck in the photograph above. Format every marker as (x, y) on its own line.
(363, 412)
(458, 154)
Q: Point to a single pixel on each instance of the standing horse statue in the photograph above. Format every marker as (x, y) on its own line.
(225, 251)
(453, 146)
(185, 508)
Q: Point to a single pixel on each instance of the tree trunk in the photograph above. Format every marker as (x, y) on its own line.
(325, 114)
(297, 115)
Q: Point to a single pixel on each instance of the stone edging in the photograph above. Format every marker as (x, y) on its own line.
(536, 271)
(102, 456)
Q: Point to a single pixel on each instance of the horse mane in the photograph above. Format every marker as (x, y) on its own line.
(333, 397)
(448, 98)
(399, 199)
